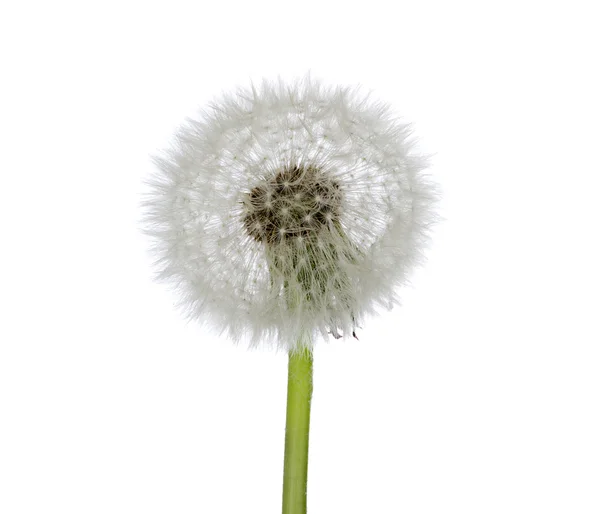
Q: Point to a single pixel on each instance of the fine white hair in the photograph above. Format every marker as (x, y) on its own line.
(288, 211)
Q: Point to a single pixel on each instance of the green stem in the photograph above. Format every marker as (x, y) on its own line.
(297, 423)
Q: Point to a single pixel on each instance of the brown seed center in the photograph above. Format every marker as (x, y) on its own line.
(298, 201)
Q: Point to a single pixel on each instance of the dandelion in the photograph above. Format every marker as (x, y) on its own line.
(286, 213)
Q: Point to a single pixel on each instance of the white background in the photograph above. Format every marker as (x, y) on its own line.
(480, 395)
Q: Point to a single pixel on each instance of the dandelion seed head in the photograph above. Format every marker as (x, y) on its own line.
(287, 210)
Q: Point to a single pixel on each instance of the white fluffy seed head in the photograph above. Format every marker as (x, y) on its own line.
(289, 210)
